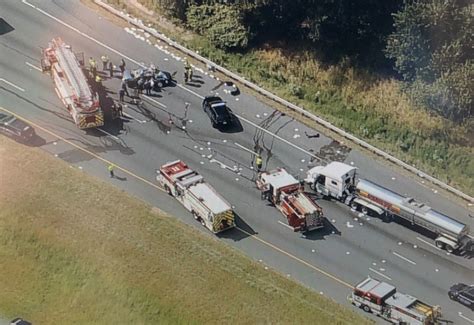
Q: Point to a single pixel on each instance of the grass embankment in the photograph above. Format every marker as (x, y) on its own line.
(76, 250)
(369, 106)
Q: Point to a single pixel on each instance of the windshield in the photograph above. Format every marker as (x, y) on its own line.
(4, 118)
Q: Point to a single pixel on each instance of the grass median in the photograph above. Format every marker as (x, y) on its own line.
(76, 250)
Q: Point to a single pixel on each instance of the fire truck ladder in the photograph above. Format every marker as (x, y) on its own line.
(68, 62)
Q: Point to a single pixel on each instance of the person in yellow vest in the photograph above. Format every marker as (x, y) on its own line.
(98, 83)
(258, 162)
(105, 60)
(111, 170)
(92, 66)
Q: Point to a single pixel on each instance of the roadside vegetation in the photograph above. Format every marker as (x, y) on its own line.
(74, 250)
(398, 74)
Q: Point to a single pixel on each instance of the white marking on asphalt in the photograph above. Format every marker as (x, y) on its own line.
(33, 66)
(464, 317)
(415, 246)
(383, 261)
(381, 274)
(436, 270)
(56, 155)
(403, 258)
(133, 118)
(284, 224)
(80, 167)
(29, 4)
(348, 224)
(312, 251)
(245, 148)
(266, 267)
(107, 133)
(382, 269)
(427, 243)
(12, 84)
(348, 253)
(400, 243)
(155, 101)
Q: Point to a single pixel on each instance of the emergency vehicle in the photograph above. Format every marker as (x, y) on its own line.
(197, 196)
(382, 299)
(285, 192)
(71, 84)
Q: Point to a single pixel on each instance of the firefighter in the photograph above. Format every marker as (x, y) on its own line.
(92, 66)
(98, 82)
(122, 66)
(120, 110)
(111, 69)
(122, 95)
(111, 170)
(188, 71)
(258, 162)
(105, 61)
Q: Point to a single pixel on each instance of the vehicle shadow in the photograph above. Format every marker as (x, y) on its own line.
(5, 27)
(241, 231)
(236, 127)
(329, 229)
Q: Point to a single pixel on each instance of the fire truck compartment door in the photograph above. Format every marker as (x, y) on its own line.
(370, 206)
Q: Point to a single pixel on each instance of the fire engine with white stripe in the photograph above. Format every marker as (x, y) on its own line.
(197, 196)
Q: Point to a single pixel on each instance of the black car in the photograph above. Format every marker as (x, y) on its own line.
(462, 293)
(15, 128)
(19, 321)
(218, 112)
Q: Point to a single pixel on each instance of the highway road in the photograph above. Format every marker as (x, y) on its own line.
(161, 129)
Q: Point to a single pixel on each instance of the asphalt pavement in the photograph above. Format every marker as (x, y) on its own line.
(161, 129)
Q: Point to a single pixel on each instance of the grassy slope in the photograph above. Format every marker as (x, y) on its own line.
(75, 250)
(368, 106)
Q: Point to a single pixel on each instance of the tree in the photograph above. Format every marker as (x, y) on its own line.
(432, 50)
(221, 24)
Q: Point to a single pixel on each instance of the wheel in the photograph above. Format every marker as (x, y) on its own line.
(203, 223)
(451, 296)
(160, 84)
(365, 210)
(168, 190)
(354, 206)
(449, 248)
(366, 308)
(439, 244)
(214, 124)
(195, 215)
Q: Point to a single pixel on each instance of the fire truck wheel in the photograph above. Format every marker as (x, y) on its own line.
(366, 308)
(354, 206)
(195, 215)
(449, 248)
(203, 223)
(365, 210)
(168, 190)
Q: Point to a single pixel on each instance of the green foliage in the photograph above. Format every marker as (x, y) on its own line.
(431, 48)
(221, 24)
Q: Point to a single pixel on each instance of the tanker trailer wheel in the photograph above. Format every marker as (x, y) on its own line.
(439, 244)
(354, 206)
(366, 308)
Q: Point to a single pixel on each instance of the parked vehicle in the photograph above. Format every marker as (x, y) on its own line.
(218, 112)
(200, 198)
(15, 128)
(462, 293)
(285, 192)
(382, 299)
(339, 181)
(71, 84)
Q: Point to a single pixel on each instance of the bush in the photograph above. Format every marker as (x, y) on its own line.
(221, 24)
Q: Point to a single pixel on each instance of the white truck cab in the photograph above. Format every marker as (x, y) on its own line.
(333, 180)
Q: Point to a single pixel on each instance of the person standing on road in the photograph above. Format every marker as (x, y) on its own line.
(111, 69)
(258, 162)
(92, 67)
(124, 87)
(105, 61)
(122, 66)
(122, 95)
(111, 170)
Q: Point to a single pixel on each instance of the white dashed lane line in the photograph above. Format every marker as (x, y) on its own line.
(33, 66)
(12, 84)
(403, 258)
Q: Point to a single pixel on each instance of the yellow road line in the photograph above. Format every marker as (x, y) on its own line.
(329, 275)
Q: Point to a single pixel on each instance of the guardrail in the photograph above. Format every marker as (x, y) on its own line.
(266, 93)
